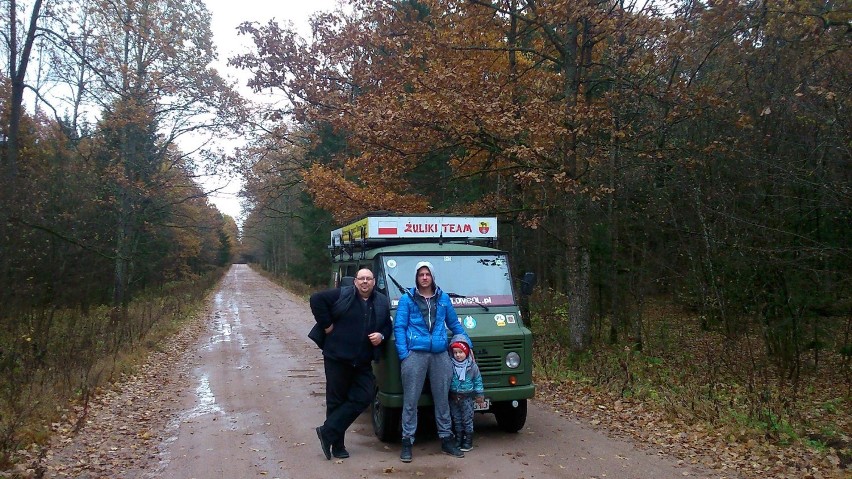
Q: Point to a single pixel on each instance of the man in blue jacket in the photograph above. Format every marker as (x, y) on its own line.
(356, 320)
(420, 330)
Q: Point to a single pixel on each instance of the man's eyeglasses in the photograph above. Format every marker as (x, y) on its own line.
(365, 278)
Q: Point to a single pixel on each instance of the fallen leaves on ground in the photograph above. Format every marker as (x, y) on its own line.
(123, 426)
(627, 419)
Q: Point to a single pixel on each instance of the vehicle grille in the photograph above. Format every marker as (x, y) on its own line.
(491, 363)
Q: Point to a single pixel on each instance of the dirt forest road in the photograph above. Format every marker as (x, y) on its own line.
(243, 399)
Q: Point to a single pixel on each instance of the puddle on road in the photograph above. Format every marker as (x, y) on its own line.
(206, 401)
(224, 331)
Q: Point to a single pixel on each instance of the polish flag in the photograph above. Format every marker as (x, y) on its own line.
(387, 227)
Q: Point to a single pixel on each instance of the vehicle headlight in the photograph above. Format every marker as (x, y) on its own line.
(513, 360)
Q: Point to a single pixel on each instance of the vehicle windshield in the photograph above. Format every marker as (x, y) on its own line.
(480, 278)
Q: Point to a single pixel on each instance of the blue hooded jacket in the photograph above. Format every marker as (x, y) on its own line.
(414, 332)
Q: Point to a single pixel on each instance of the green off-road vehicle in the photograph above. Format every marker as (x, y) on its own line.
(480, 283)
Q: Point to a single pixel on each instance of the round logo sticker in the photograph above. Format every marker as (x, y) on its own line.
(391, 263)
(469, 322)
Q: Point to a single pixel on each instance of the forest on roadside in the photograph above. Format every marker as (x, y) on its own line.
(107, 241)
(676, 173)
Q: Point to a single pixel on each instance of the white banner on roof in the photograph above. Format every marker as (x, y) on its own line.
(393, 227)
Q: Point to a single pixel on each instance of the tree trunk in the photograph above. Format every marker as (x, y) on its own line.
(122, 254)
(17, 72)
(579, 315)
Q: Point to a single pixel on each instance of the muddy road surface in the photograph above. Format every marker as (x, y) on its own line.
(250, 391)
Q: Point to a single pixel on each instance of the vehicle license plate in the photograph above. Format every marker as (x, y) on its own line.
(484, 407)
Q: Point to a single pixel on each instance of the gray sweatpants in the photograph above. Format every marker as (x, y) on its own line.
(413, 371)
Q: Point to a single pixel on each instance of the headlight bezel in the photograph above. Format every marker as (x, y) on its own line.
(512, 360)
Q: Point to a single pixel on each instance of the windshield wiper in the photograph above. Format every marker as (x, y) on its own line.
(399, 286)
(454, 295)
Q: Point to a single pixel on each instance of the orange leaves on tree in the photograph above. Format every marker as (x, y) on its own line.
(346, 199)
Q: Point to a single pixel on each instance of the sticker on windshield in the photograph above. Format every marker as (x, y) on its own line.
(469, 322)
(510, 318)
(483, 300)
(500, 319)
(391, 263)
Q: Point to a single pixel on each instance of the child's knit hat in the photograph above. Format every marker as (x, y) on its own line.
(461, 345)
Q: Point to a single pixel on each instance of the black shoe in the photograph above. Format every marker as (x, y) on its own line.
(405, 455)
(326, 447)
(466, 442)
(448, 446)
(339, 452)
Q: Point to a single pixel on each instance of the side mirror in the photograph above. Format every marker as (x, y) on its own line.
(528, 283)
(347, 281)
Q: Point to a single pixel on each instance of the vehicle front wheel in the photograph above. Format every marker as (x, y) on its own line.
(386, 421)
(511, 415)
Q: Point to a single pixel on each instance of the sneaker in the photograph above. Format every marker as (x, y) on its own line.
(405, 455)
(448, 446)
(466, 442)
(326, 447)
(339, 452)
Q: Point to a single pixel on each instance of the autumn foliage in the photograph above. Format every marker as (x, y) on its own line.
(694, 151)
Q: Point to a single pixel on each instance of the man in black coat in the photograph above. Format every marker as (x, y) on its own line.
(356, 321)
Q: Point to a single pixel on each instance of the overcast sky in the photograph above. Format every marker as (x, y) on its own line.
(227, 15)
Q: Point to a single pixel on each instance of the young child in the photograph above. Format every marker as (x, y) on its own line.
(465, 387)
